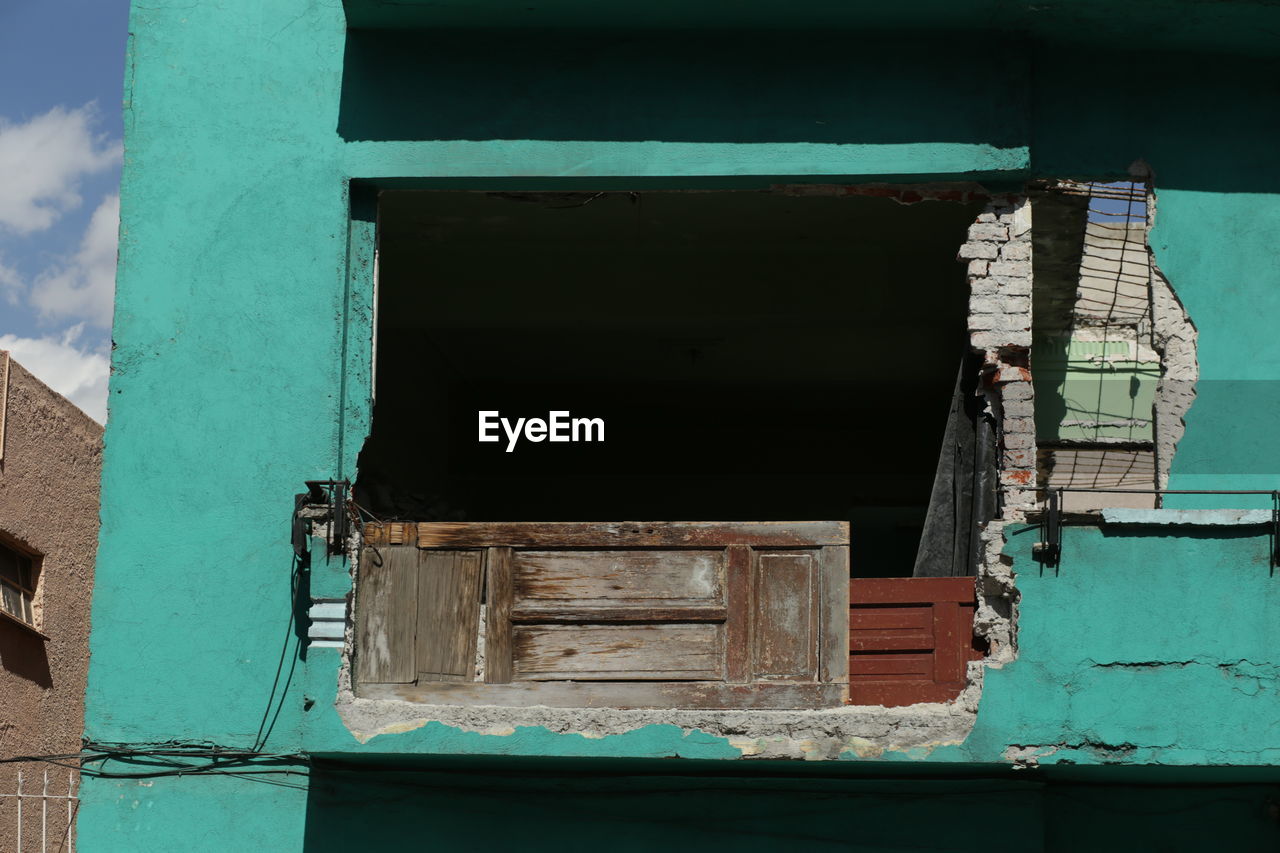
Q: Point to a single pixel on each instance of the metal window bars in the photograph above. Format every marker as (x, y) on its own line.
(63, 841)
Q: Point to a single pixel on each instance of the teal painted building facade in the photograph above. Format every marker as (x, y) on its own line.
(1142, 708)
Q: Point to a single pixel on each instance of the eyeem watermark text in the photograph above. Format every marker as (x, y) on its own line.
(558, 426)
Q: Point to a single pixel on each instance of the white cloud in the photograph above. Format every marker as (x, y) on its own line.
(78, 374)
(84, 286)
(42, 162)
(11, 284)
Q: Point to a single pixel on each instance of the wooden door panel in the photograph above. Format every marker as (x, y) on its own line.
(545, 580)
(387, 616)
(449, 584)
(784, 636)
(619, 652)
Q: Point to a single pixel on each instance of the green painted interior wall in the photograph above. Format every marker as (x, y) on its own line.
(241, 366)
(1081, 397)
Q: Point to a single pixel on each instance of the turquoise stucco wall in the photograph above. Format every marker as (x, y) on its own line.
(241, 363)
(1145, 646)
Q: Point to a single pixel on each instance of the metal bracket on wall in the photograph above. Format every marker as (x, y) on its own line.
(1275, 531)
(1048, 551)
(323, 500)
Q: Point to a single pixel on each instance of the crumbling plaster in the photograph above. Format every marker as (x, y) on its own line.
(1174, 336)
(829, 733)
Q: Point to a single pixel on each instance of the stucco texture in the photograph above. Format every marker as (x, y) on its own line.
(48, 505)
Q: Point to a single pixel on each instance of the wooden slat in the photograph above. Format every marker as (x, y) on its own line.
(448, 614)
(833, 614)
(882, 643)
(898, 693)
(737, 629)
(918, 619)
(631, 534)
(952, 636)
(627, 694)
(618, 578)
(387, 615)
(618, 652)
(910, 590)
(891, 666)
(783, 632)
(881, 628)
(552, 614)
(498, 627)
(390, 533)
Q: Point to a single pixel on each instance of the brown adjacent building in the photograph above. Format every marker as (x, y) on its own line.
(50, 462)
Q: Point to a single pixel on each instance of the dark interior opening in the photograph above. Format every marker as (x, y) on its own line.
(754, 356)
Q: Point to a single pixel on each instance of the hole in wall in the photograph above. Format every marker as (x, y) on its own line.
(753, 355)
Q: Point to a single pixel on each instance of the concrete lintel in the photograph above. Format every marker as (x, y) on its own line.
(1187, 517)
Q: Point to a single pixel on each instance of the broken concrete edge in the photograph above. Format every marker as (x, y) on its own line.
(1174, 337)
(999, 273)
(848, 732)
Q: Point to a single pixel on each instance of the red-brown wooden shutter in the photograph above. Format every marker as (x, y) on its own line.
(910, 639)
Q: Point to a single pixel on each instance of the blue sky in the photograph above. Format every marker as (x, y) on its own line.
(61, 81)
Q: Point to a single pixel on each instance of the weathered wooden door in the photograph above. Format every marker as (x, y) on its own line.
(661, 614)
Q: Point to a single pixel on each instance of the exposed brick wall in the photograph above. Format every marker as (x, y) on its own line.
(998, 251)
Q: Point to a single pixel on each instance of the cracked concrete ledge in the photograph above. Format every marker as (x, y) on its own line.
(1084, 750)
(1188, 517)
(1083, 745)
(866, 732)
(1025, 756)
